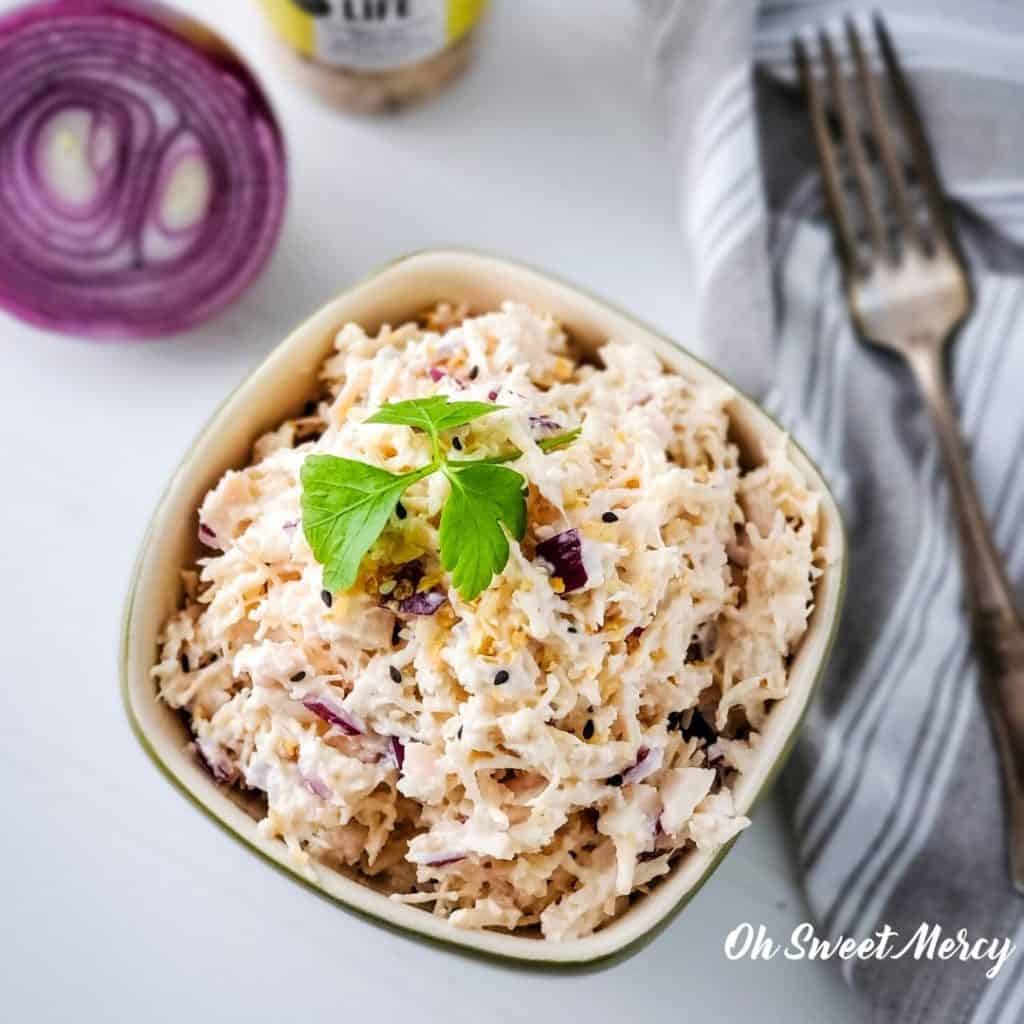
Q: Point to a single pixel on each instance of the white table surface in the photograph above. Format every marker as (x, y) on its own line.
(121, 901)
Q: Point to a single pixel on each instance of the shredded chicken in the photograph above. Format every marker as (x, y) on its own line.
(627, 708)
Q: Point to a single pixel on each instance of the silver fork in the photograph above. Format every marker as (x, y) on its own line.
(908, 291)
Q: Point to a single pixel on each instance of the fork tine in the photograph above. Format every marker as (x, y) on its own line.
(850, 132)
(882, 133)
(921, 152)
(846, 240)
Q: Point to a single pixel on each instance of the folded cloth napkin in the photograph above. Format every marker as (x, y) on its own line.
(894, 790)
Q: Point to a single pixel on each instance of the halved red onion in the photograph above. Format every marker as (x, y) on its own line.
(564, 553)
(648, 761)
(142, 172)
(335, 715)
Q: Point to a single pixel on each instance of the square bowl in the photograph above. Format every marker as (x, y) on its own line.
(276, 390)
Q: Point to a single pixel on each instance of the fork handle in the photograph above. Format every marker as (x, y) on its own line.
(998, 629)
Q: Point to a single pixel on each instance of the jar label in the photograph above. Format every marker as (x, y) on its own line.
(377, 35)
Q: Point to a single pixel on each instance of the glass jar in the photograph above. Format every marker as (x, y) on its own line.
(375, 56)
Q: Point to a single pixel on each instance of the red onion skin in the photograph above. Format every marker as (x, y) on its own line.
(86, 271)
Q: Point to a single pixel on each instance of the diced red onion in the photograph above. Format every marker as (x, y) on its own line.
(396, 750)
(437, 374)
(335, 715)
(425, 603)
(444, 859)
(290, 525)
(564, 553)
(212, 759)
(648, 761)
(544, 426)
(207, 536)
(142, 172)
(317, 786)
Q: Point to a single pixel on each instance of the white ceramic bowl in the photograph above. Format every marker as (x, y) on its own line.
(278, 389)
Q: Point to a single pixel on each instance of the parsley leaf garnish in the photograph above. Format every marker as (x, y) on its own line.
(432, 415)
(473, 544)
(346, 504)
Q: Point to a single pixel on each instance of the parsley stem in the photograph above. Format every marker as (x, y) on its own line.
(435, 447)
(493, 460)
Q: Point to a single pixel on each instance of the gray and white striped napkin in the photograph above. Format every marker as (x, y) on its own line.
(895, 791)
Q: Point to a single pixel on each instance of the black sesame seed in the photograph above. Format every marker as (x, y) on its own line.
(298, 677)
(609, 517)
(184, 662)
(456, 444)
(615, 780)
(396, 633)
(327, 597)
(698, 729)
(588, 729)
(400, 511)
(460, 733)
(396, 676)
(474, 373)
(500, 677)
(573, 629)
